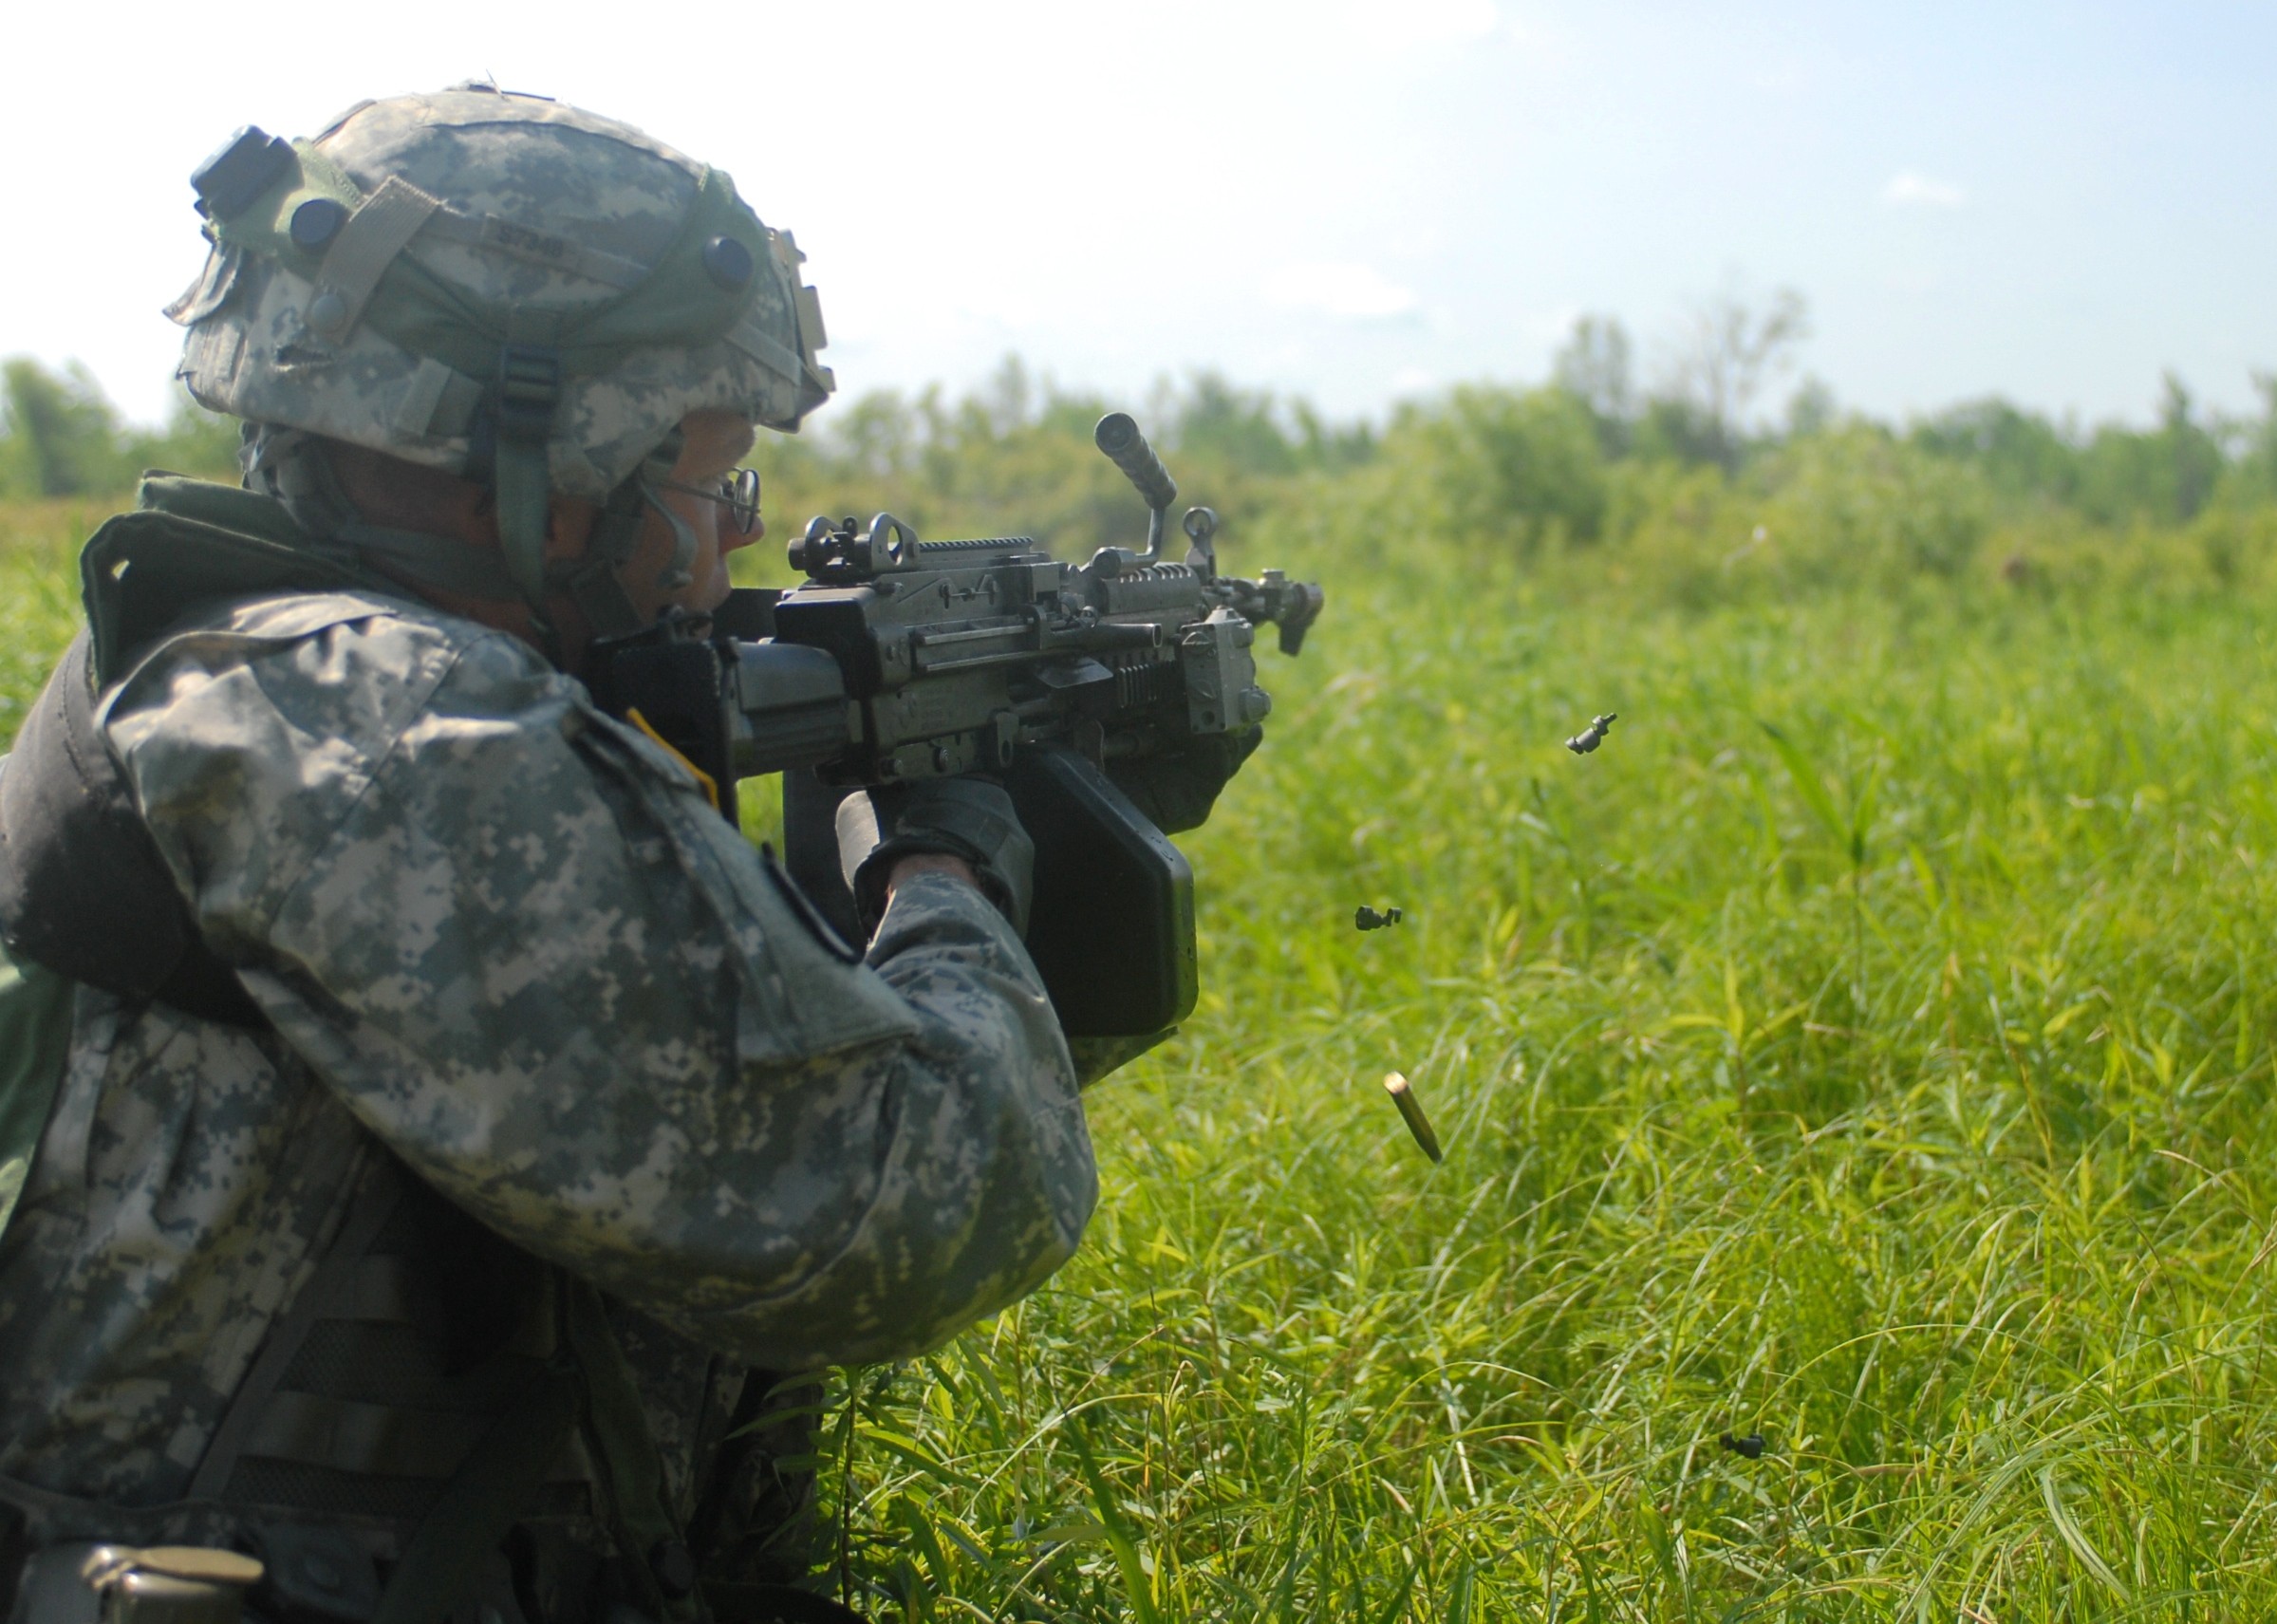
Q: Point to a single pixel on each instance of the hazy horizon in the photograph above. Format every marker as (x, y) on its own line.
(1349, 202)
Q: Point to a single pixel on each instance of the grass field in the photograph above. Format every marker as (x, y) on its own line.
(1868, 1048)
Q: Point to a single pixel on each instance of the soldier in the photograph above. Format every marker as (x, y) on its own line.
(426, 1122)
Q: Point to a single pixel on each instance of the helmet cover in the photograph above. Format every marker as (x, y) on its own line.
(435, 273)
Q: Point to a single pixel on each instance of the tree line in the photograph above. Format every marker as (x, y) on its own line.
(1569, 457)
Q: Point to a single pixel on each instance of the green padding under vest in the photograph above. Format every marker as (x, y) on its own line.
(189, 541)
(35, 1041)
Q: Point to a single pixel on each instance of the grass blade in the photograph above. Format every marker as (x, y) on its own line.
(1138, 1588)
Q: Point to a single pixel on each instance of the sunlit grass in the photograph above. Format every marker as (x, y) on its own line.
(39, 596)
(1901, 1095)
(1868, 1047)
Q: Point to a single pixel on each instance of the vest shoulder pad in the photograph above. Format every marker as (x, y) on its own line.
(190, 542)
(83, 889)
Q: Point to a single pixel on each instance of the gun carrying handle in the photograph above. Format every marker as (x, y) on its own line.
(1118, 435)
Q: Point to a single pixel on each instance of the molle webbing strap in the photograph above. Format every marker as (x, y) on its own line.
(419, 1380)
(491, 1491)
(381, 1190)
(494, 1486)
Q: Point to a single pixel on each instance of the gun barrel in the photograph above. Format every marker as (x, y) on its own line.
(1118, 437)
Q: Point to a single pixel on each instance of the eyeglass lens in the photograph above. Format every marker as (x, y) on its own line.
(740, 492)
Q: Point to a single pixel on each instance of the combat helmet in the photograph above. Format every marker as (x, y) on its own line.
(501, 286)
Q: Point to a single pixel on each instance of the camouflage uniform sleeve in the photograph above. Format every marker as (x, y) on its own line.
(512, 937)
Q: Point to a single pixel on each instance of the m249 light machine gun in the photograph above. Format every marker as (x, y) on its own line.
(900, 660)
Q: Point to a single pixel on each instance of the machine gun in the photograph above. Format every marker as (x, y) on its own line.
(900, 659)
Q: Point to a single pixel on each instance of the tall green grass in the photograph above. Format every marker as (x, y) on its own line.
(39, 596)
(1869, 1047)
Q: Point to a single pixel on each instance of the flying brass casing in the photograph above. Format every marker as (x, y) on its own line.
(1411, 1110)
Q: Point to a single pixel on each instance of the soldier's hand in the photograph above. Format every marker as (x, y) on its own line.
(1176, 790)
(968, 819)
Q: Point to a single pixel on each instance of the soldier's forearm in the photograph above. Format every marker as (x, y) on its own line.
(930, 863)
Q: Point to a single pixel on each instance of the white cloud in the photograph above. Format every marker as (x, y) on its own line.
(1413, 380)
(1909, 188)
(1351, 291)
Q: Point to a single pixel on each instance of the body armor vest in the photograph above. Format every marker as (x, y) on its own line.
(420, 1336)
(433, 1389)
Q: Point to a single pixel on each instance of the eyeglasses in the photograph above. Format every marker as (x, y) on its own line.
(739, 493)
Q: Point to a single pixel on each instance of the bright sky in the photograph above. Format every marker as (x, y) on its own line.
(1350, 199)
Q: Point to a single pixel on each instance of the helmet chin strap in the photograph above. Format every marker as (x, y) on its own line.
(522, 405)
(595, 582)
(289, 465)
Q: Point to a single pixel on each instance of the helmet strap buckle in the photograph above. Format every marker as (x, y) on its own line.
(528, 390)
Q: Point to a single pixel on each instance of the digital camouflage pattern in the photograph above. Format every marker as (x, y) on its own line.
(546, 211)
(503, 936)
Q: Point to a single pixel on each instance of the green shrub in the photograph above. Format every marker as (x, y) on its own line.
(1494, 466)
(1858, 505)
(58, 436)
